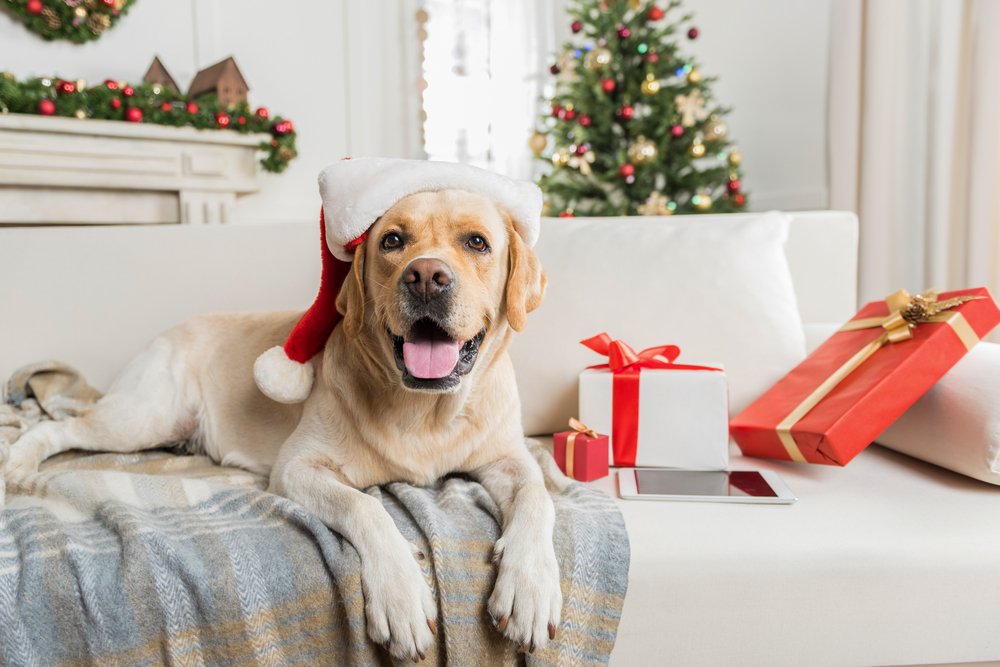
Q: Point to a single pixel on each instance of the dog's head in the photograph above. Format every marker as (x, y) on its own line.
(440, 278)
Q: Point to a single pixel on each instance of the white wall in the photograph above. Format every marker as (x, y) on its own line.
(339, 70)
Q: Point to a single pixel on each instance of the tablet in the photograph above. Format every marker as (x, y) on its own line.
(716, 486)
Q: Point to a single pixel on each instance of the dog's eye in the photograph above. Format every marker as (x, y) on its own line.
(391, 241)
(478, 243)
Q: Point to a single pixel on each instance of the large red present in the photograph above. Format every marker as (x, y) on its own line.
(837, 401)
(581, 454)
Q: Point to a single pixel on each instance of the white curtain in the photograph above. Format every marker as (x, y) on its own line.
(914, 140)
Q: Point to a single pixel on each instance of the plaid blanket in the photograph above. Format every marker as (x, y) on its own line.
(160, 558)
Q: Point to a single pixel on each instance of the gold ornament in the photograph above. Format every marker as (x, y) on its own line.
(697, 148)
(702, 202)
(80, 113)
(655, 205)
(694, 76)
(650, 86)
(81, 85)
(636, 5)
(597, 59)
(642, 150)
(735, 158)
(560, 158)
(537, 143)
(52, 20)
(567, 68)
(715, 130)
(691, 107)
(80, 13)
(98, 23)
(583, 162)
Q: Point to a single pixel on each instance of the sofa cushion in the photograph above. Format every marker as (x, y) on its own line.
(717, 286)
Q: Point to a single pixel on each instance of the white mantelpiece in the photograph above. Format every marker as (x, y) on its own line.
(70, 171)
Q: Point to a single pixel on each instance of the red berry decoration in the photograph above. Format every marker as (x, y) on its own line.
(655, 14)
(626, 113)
(33, 7)
(128, 91)
(575, 26)
(64, 87)
(116, 103)
(222, 119)
(677, 130)
(556, 109)
(608, 85)
(734, 186)
(284, 127)
(568, 114)
(651, 57)
(46, 107)
(263, 113)
(626, 170)
(165, 106)
(739, 200)
(554, 69)
(112, 85)
(584, 120)
(242, 120)
(133, 115)
(693, 33)
(192, 108)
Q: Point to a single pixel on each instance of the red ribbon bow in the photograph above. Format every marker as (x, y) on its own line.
(626, 365)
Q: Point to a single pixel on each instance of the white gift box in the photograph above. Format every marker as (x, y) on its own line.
(683, 416)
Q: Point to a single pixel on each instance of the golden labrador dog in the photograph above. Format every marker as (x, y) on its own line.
(442, 279)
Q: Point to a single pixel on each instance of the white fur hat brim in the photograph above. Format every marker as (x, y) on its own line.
(357, 192)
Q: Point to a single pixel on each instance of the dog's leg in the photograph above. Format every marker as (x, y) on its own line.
(399, 605)
(527, 599)
(145, 407)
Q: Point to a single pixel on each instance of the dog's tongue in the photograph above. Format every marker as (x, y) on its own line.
(431, 354)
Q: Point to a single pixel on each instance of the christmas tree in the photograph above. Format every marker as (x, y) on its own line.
(633, 127)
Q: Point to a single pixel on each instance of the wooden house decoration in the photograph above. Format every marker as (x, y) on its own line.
(223, 79)
(157, 73)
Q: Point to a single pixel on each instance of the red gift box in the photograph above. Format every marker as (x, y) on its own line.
(581, 454)
(837, 401)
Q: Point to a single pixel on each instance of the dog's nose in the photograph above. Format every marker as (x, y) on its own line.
(427, 278)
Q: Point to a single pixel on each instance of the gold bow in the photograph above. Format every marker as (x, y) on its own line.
(580, 428)
(905, 314)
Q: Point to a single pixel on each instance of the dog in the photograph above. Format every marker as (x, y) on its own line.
(443, 278)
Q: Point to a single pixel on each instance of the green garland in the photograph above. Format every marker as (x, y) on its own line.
(76, 20)
(147, 103)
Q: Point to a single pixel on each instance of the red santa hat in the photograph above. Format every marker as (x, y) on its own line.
(356, 193)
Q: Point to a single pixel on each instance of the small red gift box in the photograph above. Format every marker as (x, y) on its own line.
(581, 454)
(837, 401)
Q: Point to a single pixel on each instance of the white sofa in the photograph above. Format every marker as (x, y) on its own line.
(888, 561)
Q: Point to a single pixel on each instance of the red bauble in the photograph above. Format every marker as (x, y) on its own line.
(651, 57)
(263, 113)
(734, 186)
(582, 149)
(565, 214)
(739, 200)
(554, 69)
(568, 114)
(274, 142)
(693, 33)
(116, 103)
(133, 115)
(608, 85)
(33, 7)
(192, 108)
(284, 127)
(623, 32)
(46, 107)
(677, 130)
(655, 14)
(626, 170)
(242, 120)
(556, 109)
(112, 85)
(584, 120)
(64, 87)
(626, 113)
(128, 91)
(575, 26)
(288, 126)
(165, 106)
(109, 3)
(222, 119)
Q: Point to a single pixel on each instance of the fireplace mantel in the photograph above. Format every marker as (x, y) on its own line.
(61, 171)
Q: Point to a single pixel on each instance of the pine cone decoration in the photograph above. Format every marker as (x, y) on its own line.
(52, 20)
(98, 23)
(285, 153)
(918, 311)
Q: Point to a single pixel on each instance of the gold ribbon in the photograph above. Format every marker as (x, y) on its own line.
(579, 428)
(905, 314)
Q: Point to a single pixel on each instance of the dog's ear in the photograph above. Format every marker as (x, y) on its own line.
(351, 300)
(526, 281)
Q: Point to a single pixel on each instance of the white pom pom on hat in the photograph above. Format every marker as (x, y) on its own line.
(356, 193)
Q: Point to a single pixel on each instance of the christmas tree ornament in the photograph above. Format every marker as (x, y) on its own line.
(691, 107)
(626, 112)
(597, 59)
(45, 82)
(582, 149)
(79, 13)
(554, 70)
(697, 148)
(635, 5)
(650, 58)
(111, 85)
(261, 112)
(650, 86)
(626, 170)
(702, 201)
(694, 76)
(583, 162)
(734, 158)
(560, 158)
(739, 200)
(98, 22)
(656, 204)
(242, 120)
(65, 87)
(555, 110)
(733, 185)
(715, 130)
(567, 68)
(642, 48)
(677, 130)
(568, 213)
(355, 193)
(576, 27)
(584, 120)
(52, 20)
(80, 113)
(46, 107)
(623, 31)
(128, 91)
(222, 119)
(567, 114)
(81, 84)
(33, 7)
(693, 33)
(116, 103)
(654, 14)
(608, 85)
(192, 108)
(133, 115)
(165, 106)
(537, 143)
(643, 150)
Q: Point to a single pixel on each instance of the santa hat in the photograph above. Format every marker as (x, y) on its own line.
(355, 194)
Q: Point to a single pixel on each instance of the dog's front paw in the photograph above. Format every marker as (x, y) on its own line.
(527, 599)
(22, 461)
(398, 603)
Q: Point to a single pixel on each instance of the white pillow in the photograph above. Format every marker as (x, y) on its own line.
(717, 286)
(956, 424)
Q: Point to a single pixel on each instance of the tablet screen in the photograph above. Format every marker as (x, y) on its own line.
(702, 483)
